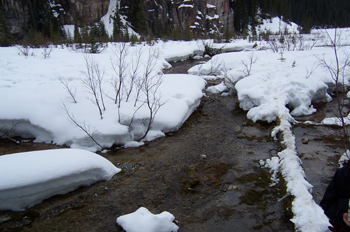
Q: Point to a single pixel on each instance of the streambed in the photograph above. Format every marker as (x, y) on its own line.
(207, 175)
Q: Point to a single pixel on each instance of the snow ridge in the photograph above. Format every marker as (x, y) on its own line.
(308, 216)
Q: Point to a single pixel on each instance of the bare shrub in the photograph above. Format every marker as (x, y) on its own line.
(6, 133)
(252, 59)
(93, 82)
(70, 90)
(120, 67)
(46, 51)
(338, 71)
(24, 50)
(150, 85)
(88, 130)
(134, 75)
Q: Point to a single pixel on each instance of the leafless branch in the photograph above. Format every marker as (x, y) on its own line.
(71, 90)
(47, 51)
(311, 71)
(151, 84)
(338, 72)
(252, 59)
(93, 82)
(83, 126)
(134, 75)
(7, 132)
(120, 66)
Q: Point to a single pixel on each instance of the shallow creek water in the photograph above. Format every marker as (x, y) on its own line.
(226, 191)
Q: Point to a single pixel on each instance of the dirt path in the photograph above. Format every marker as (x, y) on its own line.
(226, 191)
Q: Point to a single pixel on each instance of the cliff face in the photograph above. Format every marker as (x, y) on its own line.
(81, 11)
(15, 15)
(202, 16)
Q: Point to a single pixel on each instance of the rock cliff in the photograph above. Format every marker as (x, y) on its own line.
(201, 16)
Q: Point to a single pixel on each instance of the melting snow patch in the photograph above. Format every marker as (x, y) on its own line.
(144, 220)
(217, 88)
(210, 6)
(185, 5)
(30, 177)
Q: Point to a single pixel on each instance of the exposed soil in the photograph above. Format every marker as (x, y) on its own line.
(207, 175)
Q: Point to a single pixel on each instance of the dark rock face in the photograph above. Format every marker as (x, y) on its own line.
(201, 16)
(15, 14)
(82, 11)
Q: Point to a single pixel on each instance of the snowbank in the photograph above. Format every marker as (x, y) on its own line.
(294, 82)
(30, 177)
(277, 25)
(308, 216)
(33, 97)
(143, 220)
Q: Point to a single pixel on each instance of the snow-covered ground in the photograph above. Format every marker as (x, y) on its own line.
(34, 99)
(28, 178)
(35, 102)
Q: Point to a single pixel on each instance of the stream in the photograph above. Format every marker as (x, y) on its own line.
(207, 175)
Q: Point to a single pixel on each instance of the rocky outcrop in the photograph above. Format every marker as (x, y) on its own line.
(201, 16)
(15, 14)
(81, 11)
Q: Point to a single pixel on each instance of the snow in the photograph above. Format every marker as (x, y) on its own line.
(185, 5)
(277, 25)
(212, 17)
(107, 19)
(282, 85)
(271, 86)
(143, 220)
(336, 121)
(69, 30)
(33, 98)
(211, 6)
(217, 88)
(30, 177)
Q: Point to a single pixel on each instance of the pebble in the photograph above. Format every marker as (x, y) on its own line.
(229, 187)
(26, 221)
(5, 218)
(127, 167)
(305, 140)
(203, 156)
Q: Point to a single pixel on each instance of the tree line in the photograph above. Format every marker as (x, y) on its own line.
(43, 26)
(306, 13)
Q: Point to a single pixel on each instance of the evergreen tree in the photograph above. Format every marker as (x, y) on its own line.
(227, 34)
(137, 17)
(85, 35)
(41, 18)
(77, 36)
(102, 32)
(117, 27)
(5, 36)
(176, 33)
(187, 35)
